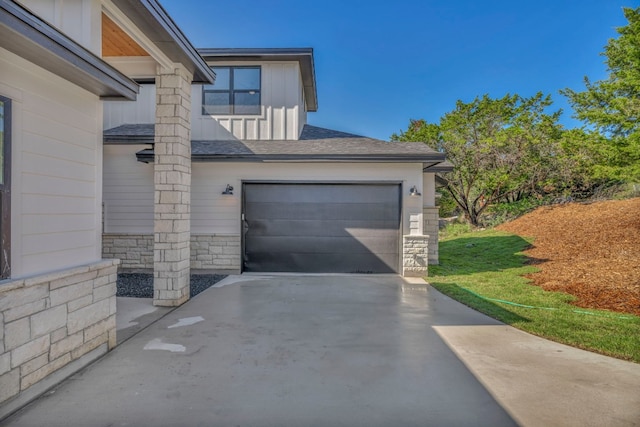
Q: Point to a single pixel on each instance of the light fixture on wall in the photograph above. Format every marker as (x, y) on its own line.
(228, 191)
(414, 191)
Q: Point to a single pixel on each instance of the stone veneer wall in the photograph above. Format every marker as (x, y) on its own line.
(415, 255)
(208, 251)
(53, 325)
(431, 218)
(215, 252)
(133, 250)
(222, 252)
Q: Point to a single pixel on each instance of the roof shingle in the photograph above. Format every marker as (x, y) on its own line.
(315, 144)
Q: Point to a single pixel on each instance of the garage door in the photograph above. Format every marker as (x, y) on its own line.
(321, 228)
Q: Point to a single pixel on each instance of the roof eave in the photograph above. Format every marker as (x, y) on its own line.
(28, 36)
(148, 155)
(304, 57)
(437, 169)
(153, 20)
(128, 140)
(440, 167)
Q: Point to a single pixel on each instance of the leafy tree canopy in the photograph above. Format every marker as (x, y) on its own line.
(501, 149)
(612, 106)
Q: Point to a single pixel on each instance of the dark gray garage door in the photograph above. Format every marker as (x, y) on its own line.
(321, 228)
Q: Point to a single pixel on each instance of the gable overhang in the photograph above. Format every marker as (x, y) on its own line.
(158, 27)
(29, 37)
(303, 56)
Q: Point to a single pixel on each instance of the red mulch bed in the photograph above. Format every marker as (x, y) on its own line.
(590, 250)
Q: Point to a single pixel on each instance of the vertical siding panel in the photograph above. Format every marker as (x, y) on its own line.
(239, 128)
(236, 128)
(282, 113)
(265, 128)
(277, 123)
(292, 123)
(291, 101)
(196, 113)
(302, 108)
(252, 126)
(142, 110)
(268, 89)
(277, 100)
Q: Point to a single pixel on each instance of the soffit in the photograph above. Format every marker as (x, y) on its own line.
(115, 42)
(151, 18)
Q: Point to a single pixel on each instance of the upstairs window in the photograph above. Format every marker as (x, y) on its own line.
(236, 91)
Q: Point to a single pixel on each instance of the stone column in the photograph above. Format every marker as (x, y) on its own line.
(172, 178)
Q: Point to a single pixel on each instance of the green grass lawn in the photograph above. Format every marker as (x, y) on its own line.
(484, 270)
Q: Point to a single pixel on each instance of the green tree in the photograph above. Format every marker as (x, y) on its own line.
(612, 106)
(502, 149)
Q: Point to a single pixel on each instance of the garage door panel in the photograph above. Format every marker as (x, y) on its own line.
(321, 227)
(322, 263)
(330, 193)
(341, 245)
(387, 229)
(321, 211)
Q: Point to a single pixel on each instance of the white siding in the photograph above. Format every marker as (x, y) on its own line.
(279, 117)
(213, 213)
(78, 19)
(143, 110)
(429, 185)
(127, 191)
(56, 169)
(302, 108)
(282, 114)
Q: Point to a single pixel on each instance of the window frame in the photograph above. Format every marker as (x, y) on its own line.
(232, 91)
(5, 192)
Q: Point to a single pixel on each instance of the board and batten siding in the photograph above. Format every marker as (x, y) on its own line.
(75, 18)
(56, 169)
(128, 189)
(282, 114)
(279, 116)
(140, 111)
(302, 108)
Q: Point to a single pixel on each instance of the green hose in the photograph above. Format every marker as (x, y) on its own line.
(541, 308)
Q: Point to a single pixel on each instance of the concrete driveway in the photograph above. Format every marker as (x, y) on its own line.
(338, 351)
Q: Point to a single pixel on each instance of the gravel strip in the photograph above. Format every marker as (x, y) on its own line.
(140, 285)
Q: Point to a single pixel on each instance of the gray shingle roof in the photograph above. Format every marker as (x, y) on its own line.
(130, 134)
(315, 144)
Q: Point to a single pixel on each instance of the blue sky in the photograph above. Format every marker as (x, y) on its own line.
(379, 64)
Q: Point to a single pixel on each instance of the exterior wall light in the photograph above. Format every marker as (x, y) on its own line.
(228, 191)
(414, 191)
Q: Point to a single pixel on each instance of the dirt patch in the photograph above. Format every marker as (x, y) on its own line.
(591, 251)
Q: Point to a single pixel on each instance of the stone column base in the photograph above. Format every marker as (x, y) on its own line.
(415, 255)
